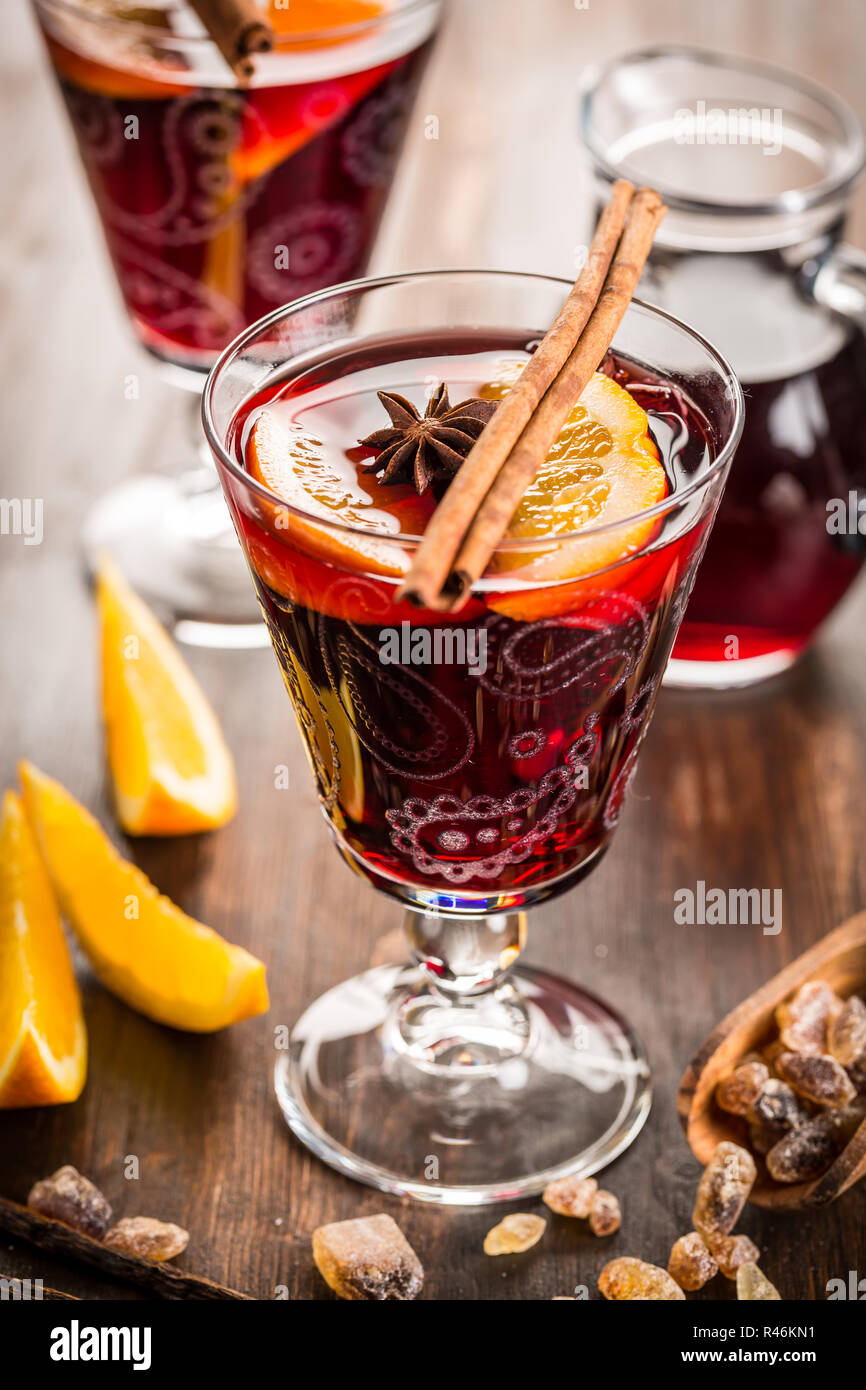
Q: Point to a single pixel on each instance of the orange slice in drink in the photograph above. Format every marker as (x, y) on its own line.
(344, 573)
(314, 478)
(602, 470)
(43, 1043)
(285, 117)
(316, 17)
(107, 81)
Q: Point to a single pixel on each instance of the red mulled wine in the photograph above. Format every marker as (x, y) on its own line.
(480, 754)
(777, 564)
(221, 202)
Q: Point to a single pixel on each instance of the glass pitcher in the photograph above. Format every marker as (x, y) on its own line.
(756, 166)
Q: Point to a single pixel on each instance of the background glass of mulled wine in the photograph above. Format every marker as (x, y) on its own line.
(218, 202)
(469, 798)
(756, 166)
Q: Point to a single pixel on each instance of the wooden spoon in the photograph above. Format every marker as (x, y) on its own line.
(840, 959)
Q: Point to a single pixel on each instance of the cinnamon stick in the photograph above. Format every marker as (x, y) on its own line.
(239, 28)
(468, 488)
(470, 526)
(57, 1239)
(493, 516)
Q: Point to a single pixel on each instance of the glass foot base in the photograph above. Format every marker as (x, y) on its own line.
(174, 541)
(727, 675)
(541, 1081)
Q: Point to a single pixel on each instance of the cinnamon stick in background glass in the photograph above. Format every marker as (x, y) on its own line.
(239, 28)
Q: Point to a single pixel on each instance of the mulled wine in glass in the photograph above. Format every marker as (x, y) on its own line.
(470, 764)
(220, 200)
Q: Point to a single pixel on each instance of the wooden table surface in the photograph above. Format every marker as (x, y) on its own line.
(765, 788)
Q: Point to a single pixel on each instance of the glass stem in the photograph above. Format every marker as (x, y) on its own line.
(465, 1012)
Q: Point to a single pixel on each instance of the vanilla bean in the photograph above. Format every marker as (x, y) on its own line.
(57, 1239)
(45, 1295)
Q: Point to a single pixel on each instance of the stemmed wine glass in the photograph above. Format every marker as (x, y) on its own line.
(468, 790)
(220, 201)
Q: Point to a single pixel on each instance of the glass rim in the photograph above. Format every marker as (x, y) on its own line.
(793, 200)
(536, 544)
(163, 33)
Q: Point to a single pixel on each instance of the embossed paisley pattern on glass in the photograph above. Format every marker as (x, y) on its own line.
(221, 205)
(562, 705)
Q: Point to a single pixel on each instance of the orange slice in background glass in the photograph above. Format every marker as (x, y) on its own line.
(282, 119)
(286, 117)
(291, 18)
(106, 81)
(297, 18)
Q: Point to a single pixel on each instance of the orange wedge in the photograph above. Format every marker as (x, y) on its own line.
(43, 1041)
(171, 769)
(143, 948)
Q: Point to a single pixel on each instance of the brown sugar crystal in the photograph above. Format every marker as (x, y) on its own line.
(807, 1151)
(570, 1196)
(367, 1259)
(635, 1281)
(753, 1284)
(147, 1237)
(732, 1251)
(691, 1263)
(803, 1019)
(68, 1197)
(605, 1216)
(820, 1079)
(739, 1091)
(846, 1032)
(514, 1234)
(726, 1183)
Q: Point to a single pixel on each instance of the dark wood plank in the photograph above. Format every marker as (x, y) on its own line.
(764, 788)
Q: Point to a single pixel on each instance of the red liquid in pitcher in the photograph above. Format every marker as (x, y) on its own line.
(774, 567)
(465, 782)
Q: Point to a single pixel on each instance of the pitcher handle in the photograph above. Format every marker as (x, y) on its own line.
(838, 281)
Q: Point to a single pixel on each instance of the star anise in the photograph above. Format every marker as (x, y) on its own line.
(429, 447)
